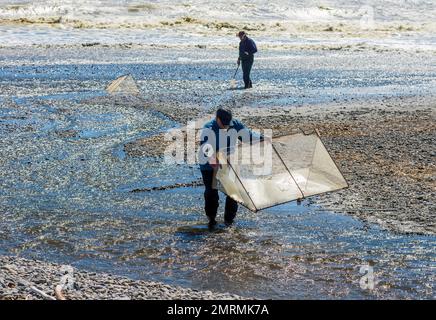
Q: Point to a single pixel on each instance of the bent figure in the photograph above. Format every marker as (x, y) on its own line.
(214, 138)
(247, 49)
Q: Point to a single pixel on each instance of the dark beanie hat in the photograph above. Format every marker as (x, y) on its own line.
(224, 115)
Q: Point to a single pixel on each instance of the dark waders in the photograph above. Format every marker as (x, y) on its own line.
(247, 63)
(211, 199)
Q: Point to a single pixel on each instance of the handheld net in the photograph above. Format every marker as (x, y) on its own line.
(296, 166)
(124, 85)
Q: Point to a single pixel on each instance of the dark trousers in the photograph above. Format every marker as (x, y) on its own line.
(211, 199)
(246, 69)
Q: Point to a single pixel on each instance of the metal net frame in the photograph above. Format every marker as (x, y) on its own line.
(300, 167)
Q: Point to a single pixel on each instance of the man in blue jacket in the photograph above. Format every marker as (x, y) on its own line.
(247, 49)
(215, 137)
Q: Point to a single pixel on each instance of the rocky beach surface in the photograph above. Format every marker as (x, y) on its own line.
(26, 279)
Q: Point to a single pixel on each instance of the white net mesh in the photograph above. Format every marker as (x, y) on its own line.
(292, 167)
(124, 85)
(309, 163)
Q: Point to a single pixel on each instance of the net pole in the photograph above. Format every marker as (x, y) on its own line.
(334, 161)
(311, 161)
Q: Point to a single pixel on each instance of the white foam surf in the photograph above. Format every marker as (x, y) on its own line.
(280, 19)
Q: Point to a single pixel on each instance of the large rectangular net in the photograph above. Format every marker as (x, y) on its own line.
(290, 167)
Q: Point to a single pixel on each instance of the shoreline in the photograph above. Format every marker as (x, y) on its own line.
(19, 275)
(350, 44)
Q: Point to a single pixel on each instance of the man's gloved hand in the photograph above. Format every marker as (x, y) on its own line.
(246, 52)
(238, 62)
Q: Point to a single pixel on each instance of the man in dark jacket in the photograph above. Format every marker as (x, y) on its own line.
(214, 136)
(247, 49)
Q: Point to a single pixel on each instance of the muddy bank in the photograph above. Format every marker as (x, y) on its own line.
(385, 148)
(22, 278)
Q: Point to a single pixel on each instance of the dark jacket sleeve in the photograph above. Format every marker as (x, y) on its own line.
(247, 46)
(253, 136)
(252, 46)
